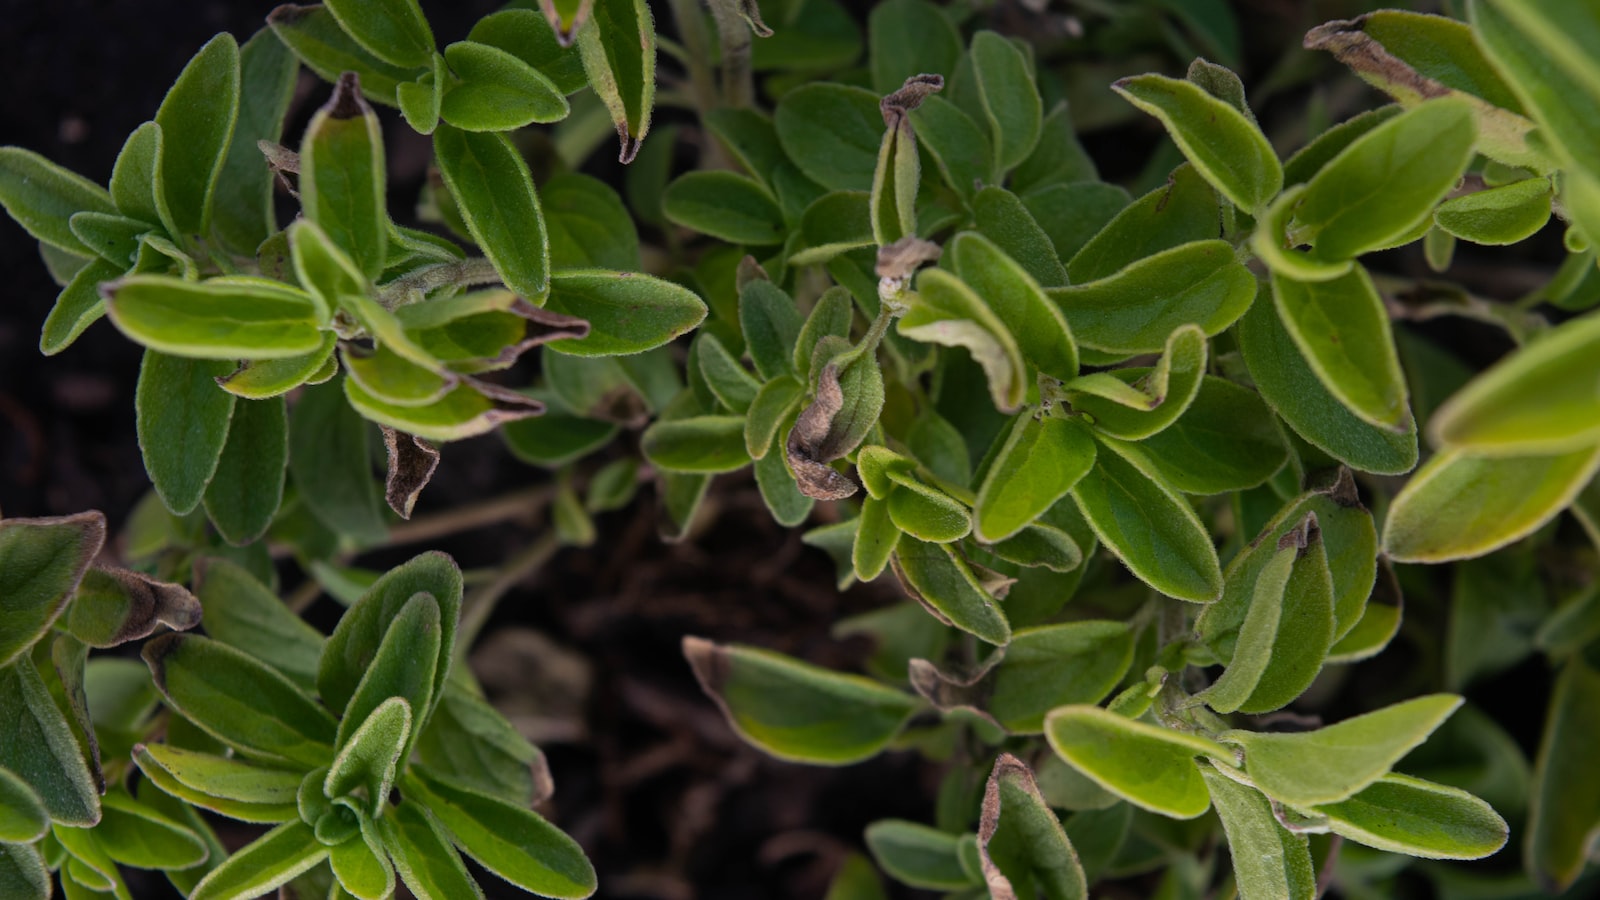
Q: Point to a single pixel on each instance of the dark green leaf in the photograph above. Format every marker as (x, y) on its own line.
(197, 120)
(511, 841)
(910, 37)
(1136, 309)
(241, 205)
(244, 494)
(1003, 218)
(41, 749)
(1040, 461)
(136, 177)
(1182, 211)
(1010, 101)
(1057, 665)
(497, 90)
(269, 861)
(78, 306)
(1024, 850)
(330, 461)
(494, 189)
(1225, 146)
(589, 226)
(771, 324)
(528, 35)
(1149, 766)
(619, 55)
(1342, 329)
(726, 206)
(1137, 402)
(405, 665)
(917, 855)
(795, 710)
(627, 312)
(832, 132)
(1058, 160)
(959, 147)
(936, 576)
(342, 177)
(1566, 792)
(240, 701)
(182, 424)
(137, 835)
(42, 562)
(392, 30)
(316, 38)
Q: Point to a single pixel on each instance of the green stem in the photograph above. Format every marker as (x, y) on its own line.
(738, 80)
(480, 604)
(418, 283)
(697, 51)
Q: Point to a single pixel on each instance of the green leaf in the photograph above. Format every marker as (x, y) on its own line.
(264, 864)
(246, 791)
(22, 872)
(182, 425)
(115, 238)
(494, 190)
(23, 818)
(241, 206)
(958, 146)
(511, 841)
(42, 562)
(1021, 843)
(937, 577)
(627, 312)
(831, 315)
(1057, 665)
(114, 606)
(1136, 309)
(893, 209)
(1269, 863)
(1273, 242)
(370, 754)
(1540, 399)
(1508, 214)
(855, 879)
(1408, 815)
(589, 226)
(1149, 766)
(832, 132)
(726, 206)
(1040, 461)
(42, 197)
(78, 306)
(797, 711)
(497, 91)
(1137, 402)
(395, 31)
(421, 101)
(1010, 101)
(470, 743)
(356, 642)
(1058, 160)
(771, 324)
(405, 665)
(1333, 763)
(917, 855)
(910, 37)
(1461, 504)
(875, 540)
(1342, 328)
(267, 378)
(1004, 219)
(136, 177)
(239, 700)
(84, 859)
(1288, 384)
(1287, 631)
(1182, 211)
(1225, 441)
(926, 513)
(330, 462)
(1149, 527)
(528, 35)
(1226, 148)
(1018, 301)
(137, 835)
(244, 494)
(1566, 793)
(342, 177)
(733, 386)
(361, 866)
(41, 749)
(197, 119)
(1387, 181)
(619, 55)
(221, 319)
(946, 311)
(318, 40)
(706, 444)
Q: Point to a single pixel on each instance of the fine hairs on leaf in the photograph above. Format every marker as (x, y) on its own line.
(1220, 464)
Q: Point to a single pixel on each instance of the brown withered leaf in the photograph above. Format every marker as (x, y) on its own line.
(747, 271)
(814, 442)
(750, 11)
(1305, 533)
(895, 106)
(565, 31)
(903, 257)
(282, 162)
(949, 691)
(544, 326)
(411, 464)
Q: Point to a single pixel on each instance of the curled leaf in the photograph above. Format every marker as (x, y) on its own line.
(411, 464)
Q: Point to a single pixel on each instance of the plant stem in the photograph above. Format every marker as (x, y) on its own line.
(480, 603)
(697, 51)
(738, 82)
(414, 285)
(525, 502)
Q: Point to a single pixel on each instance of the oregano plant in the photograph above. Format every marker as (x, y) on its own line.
(1159, 464)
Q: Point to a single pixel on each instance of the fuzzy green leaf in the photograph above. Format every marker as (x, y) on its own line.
(330, 462)
(528, 36)
(1149, 527)
(494, 190)
(197, 119)
(917, 855)
(1023, 849)
(182, 424)
(1508, 214)
(1269, 863)
(926, 513)
(1227, 148)
(1041, 459)
(405, 665)
(1018, 301)
(797, 711)
(222, 319)
(1408, 815)
(511, 841)
(832, 132)
(947, 311)
(938, 577)
(137, 835)
(619, 55)
(726, 206)
(41, 749)
(395, 31)
(1057, 665)
(241, 206)
(1003, 218)
(1540, 399)
(371, 753)
(269, 861)
(1342, 328)
(1333, 763)
(42, 196)
(1009, 98)
(627, 312)
(244, 494)
(1566, 790)
(78, 306)
(957, 144)
(242, 790)
(42, 562)
(697, 444)
(1135, 403)
(318, 40)
(1149, 766)
(1182, 211)
(1136, 309)
(497, 91)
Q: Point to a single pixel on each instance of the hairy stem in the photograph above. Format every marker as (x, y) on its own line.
(416, 284)
(697, 52)
(738, 81)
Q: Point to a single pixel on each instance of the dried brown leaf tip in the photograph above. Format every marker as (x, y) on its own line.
(814, 442)
(347, 102)
(902, 258)
(954, 690)
(1010, 776)
(910, 96)
(411, 464)
(137, 603)
(1348, 41)
(748, 270)
(566, 30)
